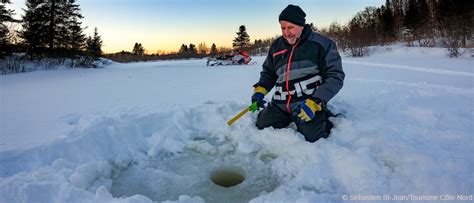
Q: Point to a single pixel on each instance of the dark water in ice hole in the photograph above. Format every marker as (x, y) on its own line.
(191, 173)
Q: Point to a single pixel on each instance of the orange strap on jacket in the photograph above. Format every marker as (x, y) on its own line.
(288, 77)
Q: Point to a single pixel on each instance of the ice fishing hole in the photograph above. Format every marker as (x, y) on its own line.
(227, 176)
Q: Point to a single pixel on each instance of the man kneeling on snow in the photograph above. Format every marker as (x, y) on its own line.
(305, 68)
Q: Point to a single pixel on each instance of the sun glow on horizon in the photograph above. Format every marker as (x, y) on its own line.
(165, 25)
(163, 43)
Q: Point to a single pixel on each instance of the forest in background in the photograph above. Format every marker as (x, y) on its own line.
(52, 29)
(423, 23)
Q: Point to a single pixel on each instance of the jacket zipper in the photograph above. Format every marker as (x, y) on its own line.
(288, 77)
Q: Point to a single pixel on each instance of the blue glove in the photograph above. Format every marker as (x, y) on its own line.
(258, 97)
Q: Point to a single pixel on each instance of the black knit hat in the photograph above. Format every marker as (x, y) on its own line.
(293, 14)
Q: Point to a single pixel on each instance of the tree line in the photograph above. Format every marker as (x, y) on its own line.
(425, 23)
(139, 53)
(50, 29)
(240, 43)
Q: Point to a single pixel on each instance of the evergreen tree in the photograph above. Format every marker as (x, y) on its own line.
(424, 29)
(412, 15)
(419, 23)
(138, 49)
(135, 48)
(52, 27)
(424, 13)
(183, 51)
(398, 15)
(94, 45)
(141, 49)
(57, 31)
(5, 16)
(388, 20)
(34, 28)
(192, 50)
(213, 51)
(76, 37)
(242, 41)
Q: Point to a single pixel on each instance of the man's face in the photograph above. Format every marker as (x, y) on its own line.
(290, 31)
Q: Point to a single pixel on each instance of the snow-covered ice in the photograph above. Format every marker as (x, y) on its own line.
(155, 131)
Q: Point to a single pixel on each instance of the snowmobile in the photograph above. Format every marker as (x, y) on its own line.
(239, 58)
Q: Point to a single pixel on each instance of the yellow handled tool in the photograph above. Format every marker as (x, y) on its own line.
(252, 108)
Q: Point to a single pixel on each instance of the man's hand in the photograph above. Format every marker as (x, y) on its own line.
(306, 110)
(258, 96)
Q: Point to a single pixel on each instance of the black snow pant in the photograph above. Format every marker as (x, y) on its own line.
(313, 130)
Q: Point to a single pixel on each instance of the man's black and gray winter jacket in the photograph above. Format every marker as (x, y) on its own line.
(311, 68)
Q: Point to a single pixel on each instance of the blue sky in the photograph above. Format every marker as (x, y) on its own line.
(166, 24)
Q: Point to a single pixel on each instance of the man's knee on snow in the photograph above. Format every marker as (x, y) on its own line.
(262, 123)
(272, 116)
(316, 129)
(259, 125)
(318, 137)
